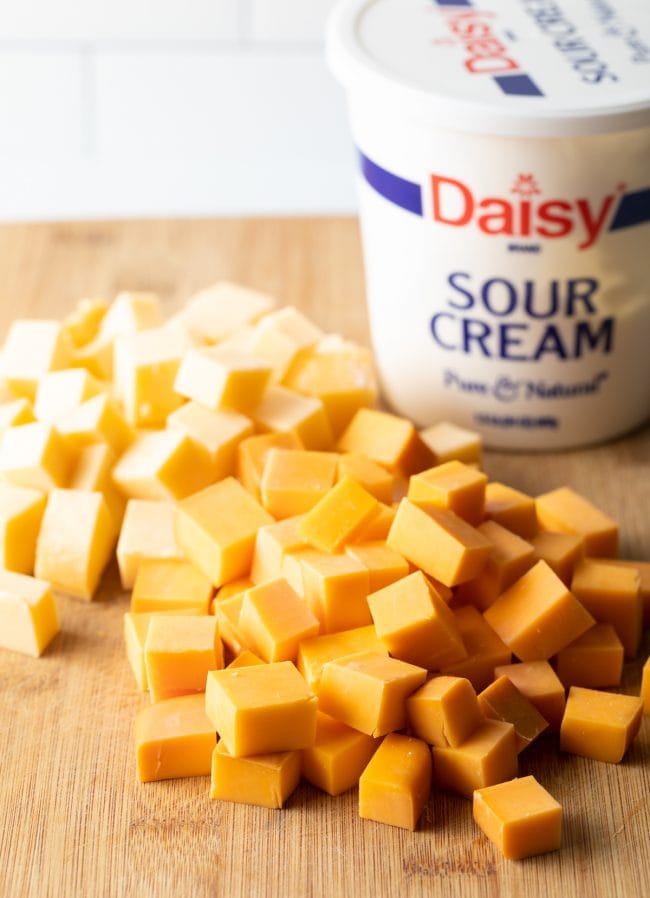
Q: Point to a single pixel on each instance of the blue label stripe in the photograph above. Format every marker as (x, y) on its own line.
(396, 190)
(633, 209)
(518, 85)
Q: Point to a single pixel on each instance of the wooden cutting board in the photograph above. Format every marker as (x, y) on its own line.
(74, 821)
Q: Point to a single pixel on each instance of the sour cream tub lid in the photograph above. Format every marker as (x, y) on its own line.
(512, 67)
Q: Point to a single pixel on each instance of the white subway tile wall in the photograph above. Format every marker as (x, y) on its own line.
(156, 107)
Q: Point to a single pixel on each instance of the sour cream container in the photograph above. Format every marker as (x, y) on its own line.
(504, 201)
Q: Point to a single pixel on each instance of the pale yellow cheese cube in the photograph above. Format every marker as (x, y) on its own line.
(76, 541)
(131, 311)
(83, 323)
(59, 392)
(163, 464)
(220, 432)
(219, 378)
(96, 420)
(33, 348)
(284, 411)
(147, 533)
(35, 455)
(449, 441)
(28, 616)
(21, 511)
(14, 412)
(281, 336)
(219, 311)
(93, 471)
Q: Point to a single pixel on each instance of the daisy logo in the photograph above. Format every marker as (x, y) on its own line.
(525, 186)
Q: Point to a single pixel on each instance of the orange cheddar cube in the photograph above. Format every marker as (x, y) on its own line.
(374, 478)
(245, 659)
(21, 512)
(338, 516)
(272, 543)
(537, 616)
(220, 432)
(163, 464)
(520, 817)
(643, 570)
(285, 411)
(147, 532)
(448, 441)
(540, 684)
(174, 738)
(511, 508)
(315, 652)
(566, 511)
(220, 378)
(594, 660)
(610, 593)
(136, 627)
(485, 650)
(338, 756)
(294, 480)
(82, 324)
(439, 542)
(29, 620)
(509, 558)
(415, 624)
(368, 691)
(252, 453)
(487, 757)
(501, 700)
(274, 620)
(261, 708)
(453, 486)
(387, 439)
(282, 336)
(14, 412)
(395, 786)
(336, 588)
(377, 525)
(227, 612)
(645, 687)
(600, 725)
(216, 529)
(164, 584)
(444, 711)
(228, 590)
(264, 780)
(179, 651)
(561, 551)
(35, 456)
(384, 564)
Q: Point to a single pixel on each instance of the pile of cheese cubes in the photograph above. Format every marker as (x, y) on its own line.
(318, 590)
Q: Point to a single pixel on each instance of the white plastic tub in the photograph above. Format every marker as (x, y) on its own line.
(504, 150)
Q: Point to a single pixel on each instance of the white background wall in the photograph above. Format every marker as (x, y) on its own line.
(169, 107)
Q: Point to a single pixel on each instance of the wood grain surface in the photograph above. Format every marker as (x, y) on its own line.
(74, 821)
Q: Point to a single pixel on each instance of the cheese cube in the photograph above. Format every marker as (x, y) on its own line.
(338, 756)
(262, 708)
(178, 653)
(643, 570)
(281, 336)
(271, 544)
(453, 486)
(285, 411)
(219, 432)
(594, 659)
(568, 512)
(485, 650)
(174, 738)
(511, 509)
(28, 616)
(387, 439)
(219, 311)
(537, 616)
(96, 420)
(540, 684)
(21, 511)
(600, 725)
(165, 584)
(520, 817)
(136, 627)
(377, 525)
(384, 564)
(611, 594)
(448, 441)
(147, 532)
(93, 471)
(131, 311)
(216, 529)
(31, 349)
(227, 612)
(163, 464)
(415, 624)
(487, 757)
(59, 392)
(76, 541)
(561, 551)
(274, 620)
(444, 711)
(315, 652)
(645, 687)
(14, 412)
(335, 587)
(439, 542)
(338, 517)
(83, 323)
(35, 456)
(252, 453)
(374, 478)
(294, 480)
(265, 780)
(395, 786)
(368, 691)
(501, 700)
(220, 378)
